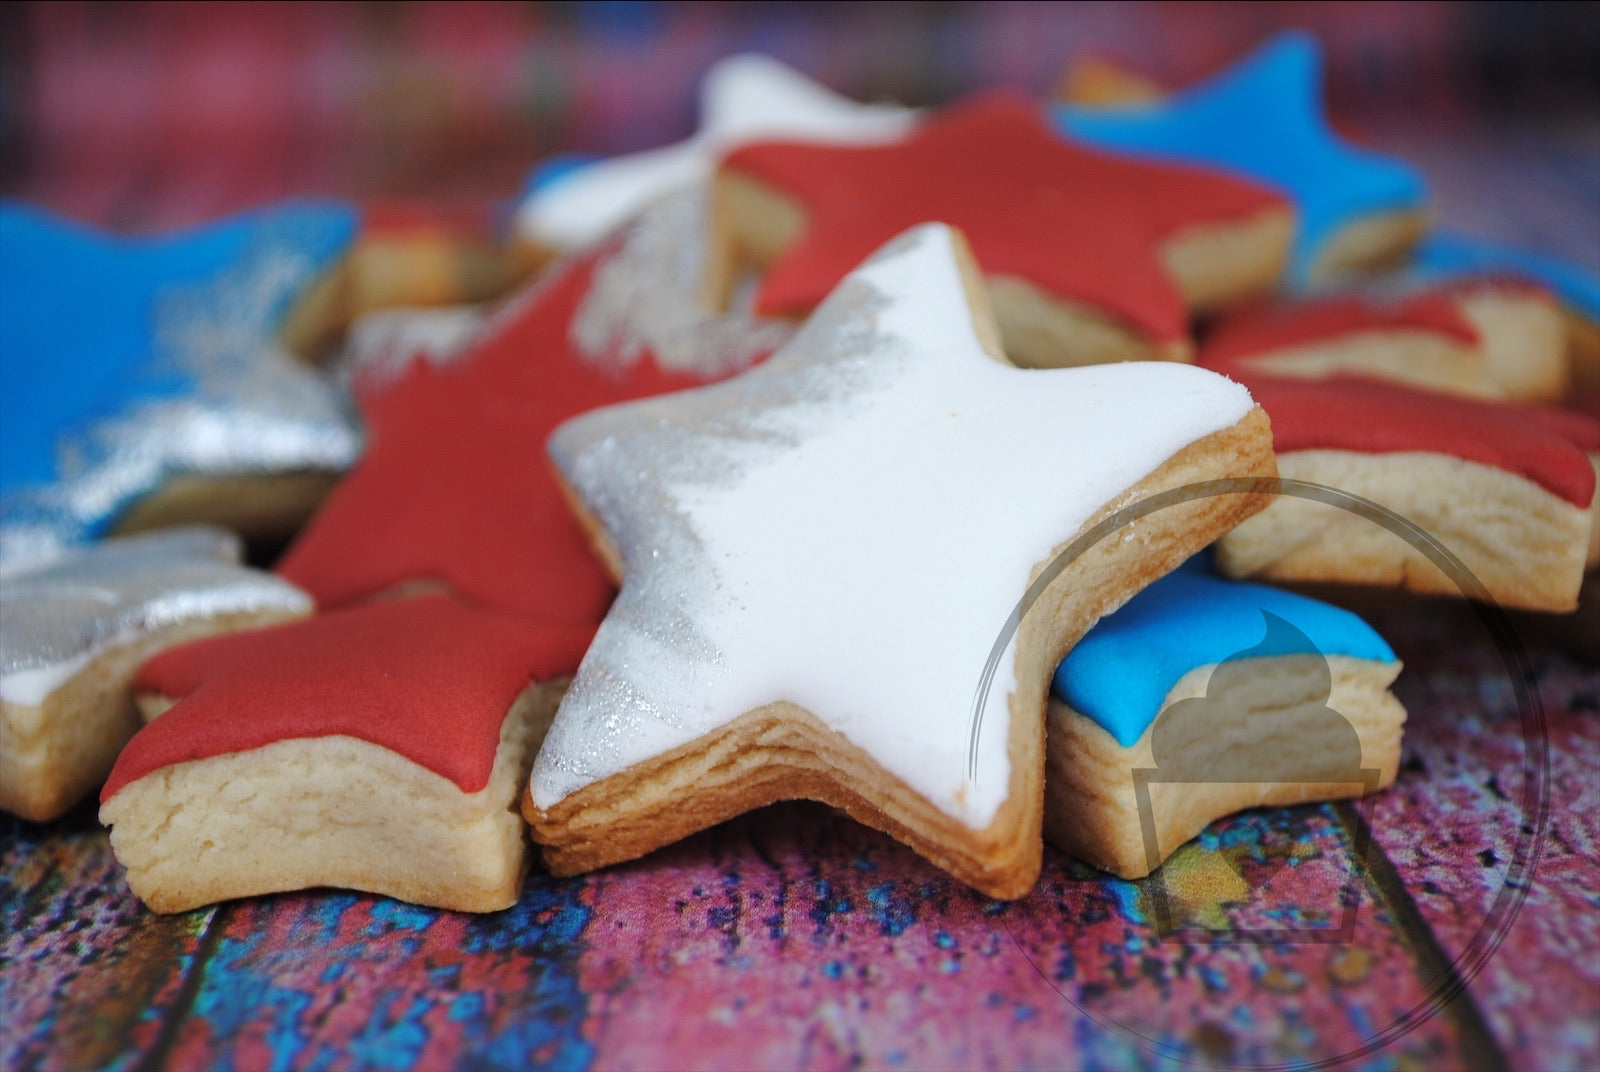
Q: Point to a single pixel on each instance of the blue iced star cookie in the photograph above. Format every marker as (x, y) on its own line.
(1119, 674)
(1446, 255)
(126, 360)
(1289, 702)
(1263, 117)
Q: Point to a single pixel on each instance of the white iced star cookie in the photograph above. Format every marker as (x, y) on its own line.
(77, 627)
(818, 556)
(743, 98)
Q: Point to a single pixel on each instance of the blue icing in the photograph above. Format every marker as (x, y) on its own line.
(1444, 255)
(1120, 673)
(555, 171)
(1263, 118)
(79, 318)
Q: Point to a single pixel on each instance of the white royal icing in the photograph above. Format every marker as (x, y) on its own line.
(743, 98)
(30, 688)
(66, 611)
(848, 527)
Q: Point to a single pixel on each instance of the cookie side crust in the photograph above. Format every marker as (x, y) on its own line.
(330, 811)
(1265, 748)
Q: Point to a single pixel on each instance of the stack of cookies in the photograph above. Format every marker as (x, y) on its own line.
(923, 463)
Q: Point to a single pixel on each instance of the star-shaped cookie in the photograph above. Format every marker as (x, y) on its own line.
(743, 98)
(453, 487)
(1182, 684)
(1507, 489)
(74, 630)
(1420, 338)
(1481, 338)
(819, 555)
(1454, 257)
(1263, 117)
(1450, 255)
(378, 748)
(1092, 257)
(128, 363)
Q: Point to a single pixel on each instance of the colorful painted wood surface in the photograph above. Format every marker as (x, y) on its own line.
(796, 938)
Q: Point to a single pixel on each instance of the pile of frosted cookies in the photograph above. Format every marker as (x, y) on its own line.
(963, 469)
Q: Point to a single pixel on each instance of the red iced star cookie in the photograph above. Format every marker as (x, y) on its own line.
(378, 748)
(1093, 257)
(1267, 329)
(454, 487)
(1484, 340)
(1509, 493)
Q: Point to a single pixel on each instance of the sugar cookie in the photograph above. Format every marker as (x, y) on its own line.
(1263, 117)
(1178, 710)
(176, 400)
(1481, 339)
(1507, 495)
(743, 98)
(380, 748)
(819, 555)
(1149, 241)
(76, 627)
(1446, 255)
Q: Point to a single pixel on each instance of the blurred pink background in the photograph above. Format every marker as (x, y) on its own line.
(148, 115)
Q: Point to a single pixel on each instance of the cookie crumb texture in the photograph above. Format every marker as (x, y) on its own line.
(58, 751)
(1527, 546)
(1264, 742)
(329, 811)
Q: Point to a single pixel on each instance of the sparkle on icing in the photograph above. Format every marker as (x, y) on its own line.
(63, 612)
(1263, 118)
(848, 526)
(646, 300)
(1120, 673)
(381, 345)
(178, 370)
(743, 98)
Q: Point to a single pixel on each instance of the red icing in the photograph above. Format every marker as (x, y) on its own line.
(1580, 429)
(455, 485)
(1075, 222)
(429, 678)
(1374, 417)
(1270, 328)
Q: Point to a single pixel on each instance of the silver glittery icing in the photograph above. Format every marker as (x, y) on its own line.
(643, 300)
(253, 408)
(646, 299)
(381, 345)
(84, 600)
(631, 464)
